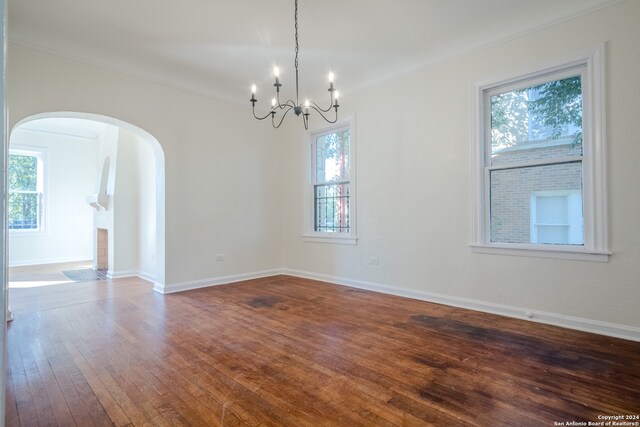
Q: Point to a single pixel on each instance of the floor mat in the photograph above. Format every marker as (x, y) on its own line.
(86, 275)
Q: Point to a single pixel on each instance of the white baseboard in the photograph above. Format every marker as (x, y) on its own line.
(214, 281)
(119, 274)
(131, 273)
(581, 324)
(577, 323)
(145, 275)
(49, 261)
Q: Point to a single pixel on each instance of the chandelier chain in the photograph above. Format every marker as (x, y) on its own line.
(295, 17)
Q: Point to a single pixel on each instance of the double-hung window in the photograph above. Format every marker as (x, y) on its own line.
(539, 152)
(330, 213)
(25, 205)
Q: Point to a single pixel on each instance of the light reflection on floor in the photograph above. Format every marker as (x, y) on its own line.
(35, 276)
(36, 283)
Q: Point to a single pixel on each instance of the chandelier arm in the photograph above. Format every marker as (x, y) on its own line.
(270, 113)
(289, 104)
(325, 117)
(273, 123)
(319, 108)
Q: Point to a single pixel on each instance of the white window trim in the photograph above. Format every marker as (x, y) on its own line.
(41, 153)
(594, 167)
(309, 234)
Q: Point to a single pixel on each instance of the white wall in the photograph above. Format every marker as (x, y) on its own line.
(222, 167)
(414, 185)
(146, 227)
(69, 170)
(134, 209)
(125, 207)
(130, 217)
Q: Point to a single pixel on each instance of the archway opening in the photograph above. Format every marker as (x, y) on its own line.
(123, 167)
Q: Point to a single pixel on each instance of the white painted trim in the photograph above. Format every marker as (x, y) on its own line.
(555, 319)
(335, 238)
(132, 273)
(534, 145)
(308, 234)
(43, 261)
(121, 70)
(213, 281)
(548, 251)
(594, 160)
(25, 128)
(145, 275)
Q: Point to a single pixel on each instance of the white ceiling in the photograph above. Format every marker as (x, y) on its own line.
(220, 47)
(88, 129)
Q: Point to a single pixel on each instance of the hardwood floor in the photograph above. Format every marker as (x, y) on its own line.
(295, 352)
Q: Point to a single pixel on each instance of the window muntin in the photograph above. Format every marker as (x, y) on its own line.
(331, 181)
(25, 204)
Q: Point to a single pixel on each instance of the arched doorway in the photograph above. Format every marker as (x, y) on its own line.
(126, 135)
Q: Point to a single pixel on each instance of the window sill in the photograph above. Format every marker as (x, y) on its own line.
(335, 239)
(535, 251)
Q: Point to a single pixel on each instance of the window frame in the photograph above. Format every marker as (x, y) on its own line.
(593, 160)
(309, 234)
(42, 182)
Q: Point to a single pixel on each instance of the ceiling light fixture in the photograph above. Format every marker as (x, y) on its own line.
(296, 106)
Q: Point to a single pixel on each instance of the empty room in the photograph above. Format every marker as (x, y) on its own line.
(336, 213)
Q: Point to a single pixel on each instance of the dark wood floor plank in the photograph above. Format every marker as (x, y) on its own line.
(97, 388)
(11, 406)
(295, 352)
(56, 396)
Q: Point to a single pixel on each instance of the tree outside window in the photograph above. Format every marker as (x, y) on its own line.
(25, 185)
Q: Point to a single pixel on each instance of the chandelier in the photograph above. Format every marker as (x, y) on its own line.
(298, 108)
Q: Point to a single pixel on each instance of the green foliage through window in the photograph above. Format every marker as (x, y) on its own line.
(24, 198)
(550, 110)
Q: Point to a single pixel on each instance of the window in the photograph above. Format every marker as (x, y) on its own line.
(25, 206)
(331, 197)
(556, 218)
(539, 187)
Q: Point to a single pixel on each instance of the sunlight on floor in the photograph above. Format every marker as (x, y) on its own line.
(36, 283)
(35, 276)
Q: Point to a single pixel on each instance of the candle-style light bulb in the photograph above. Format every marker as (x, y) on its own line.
(276, 72)
(273, 103)
(331, 76)
(336, 95)
(253, 89)
(306, 103)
